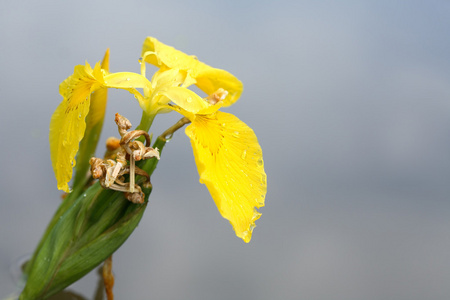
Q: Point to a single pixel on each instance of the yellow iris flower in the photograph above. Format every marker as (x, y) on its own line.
(68, 122)
(227, 154)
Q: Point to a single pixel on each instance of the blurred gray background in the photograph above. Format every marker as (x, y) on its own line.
(350, 101)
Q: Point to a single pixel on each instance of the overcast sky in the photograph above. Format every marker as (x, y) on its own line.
(350, 101)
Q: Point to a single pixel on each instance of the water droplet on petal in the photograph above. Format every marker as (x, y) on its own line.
(260, 162)
(244, 154)
(189, 99)
(263, 179)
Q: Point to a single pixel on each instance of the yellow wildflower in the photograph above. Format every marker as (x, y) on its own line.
(227, 153)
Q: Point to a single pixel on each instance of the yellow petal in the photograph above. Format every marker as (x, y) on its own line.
(229, 161)
(131, 82)
(162, 78)
(126, 80)
(208, 79)
(94, 124)
(67, 128)
(98, 99)
(166, 88)
(76, 88)
(190, 101)
(67, 124)
(98, 107)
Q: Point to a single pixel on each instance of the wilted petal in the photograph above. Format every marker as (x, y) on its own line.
(230, 164)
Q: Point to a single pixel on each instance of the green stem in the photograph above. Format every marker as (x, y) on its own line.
(166, 135)
(146, 121)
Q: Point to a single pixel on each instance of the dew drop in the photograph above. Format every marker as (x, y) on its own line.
(263, 180)
(168, 137)
(260, 162)
(189, 99)
(79, 116)
(244, 154)
(243, 172)
(128, 79)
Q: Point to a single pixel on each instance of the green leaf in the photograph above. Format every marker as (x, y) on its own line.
(88, 145)
(76, 244)
(82, 235)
